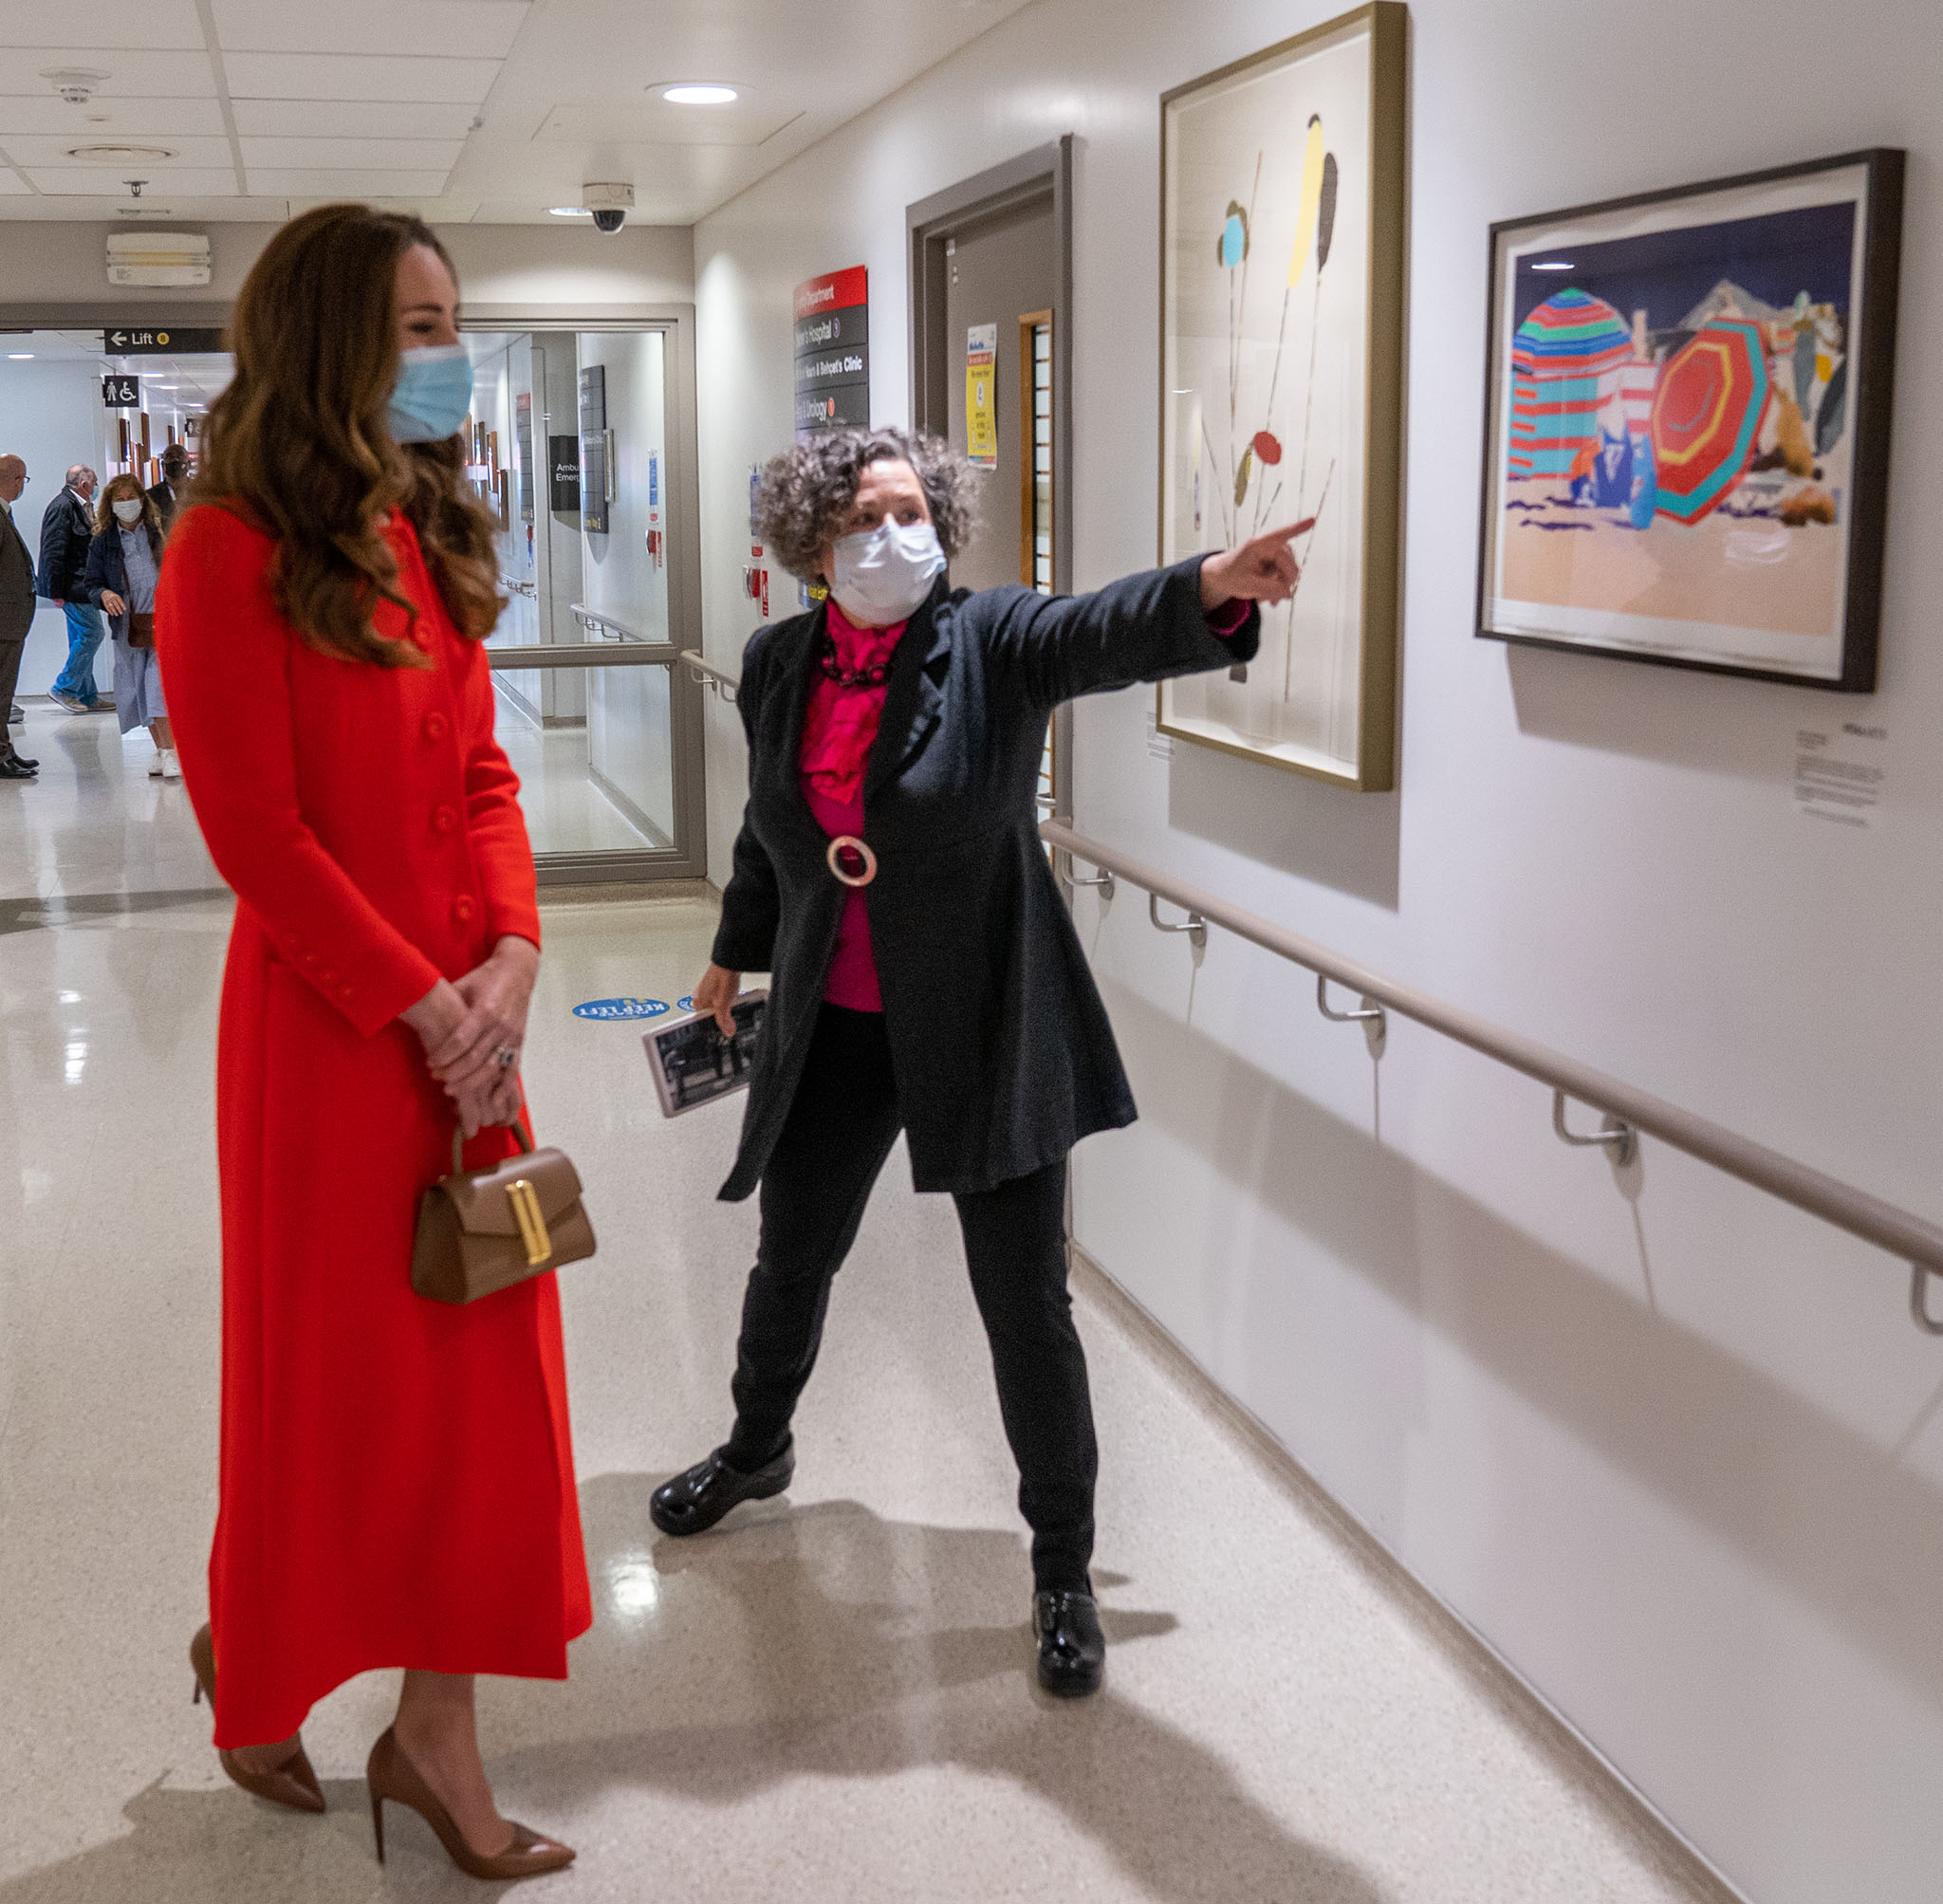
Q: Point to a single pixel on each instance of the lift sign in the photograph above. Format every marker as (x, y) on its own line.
(617, 1010)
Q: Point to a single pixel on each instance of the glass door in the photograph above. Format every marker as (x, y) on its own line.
(571, 445)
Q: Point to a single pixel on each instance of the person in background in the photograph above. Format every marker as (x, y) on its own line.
(17, 600)
(924, 973)
(167, 494)
(68, 530)
(397, 1484)
(123, 566)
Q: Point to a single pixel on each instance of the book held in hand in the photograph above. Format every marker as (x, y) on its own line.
(695, 1064)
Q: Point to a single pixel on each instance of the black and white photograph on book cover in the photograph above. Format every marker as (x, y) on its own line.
(692, 1062)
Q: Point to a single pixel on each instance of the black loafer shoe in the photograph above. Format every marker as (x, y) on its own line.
(699, 1496)
(13, 767)
(1072, 1649)
(32, 765)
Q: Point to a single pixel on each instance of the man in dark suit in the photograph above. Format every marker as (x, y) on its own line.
(167, 494)
(66, 530)
(16, 608)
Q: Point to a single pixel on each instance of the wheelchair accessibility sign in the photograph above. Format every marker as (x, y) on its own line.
(617, 1010)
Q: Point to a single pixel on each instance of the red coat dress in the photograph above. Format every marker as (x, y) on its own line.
(396, 1475)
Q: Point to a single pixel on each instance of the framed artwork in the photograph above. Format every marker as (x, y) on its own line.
(1282, 257)
(1687, 440)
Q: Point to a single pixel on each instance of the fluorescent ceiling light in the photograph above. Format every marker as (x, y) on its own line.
(1556, 265)
(18, 356)
(569, 211)
(699, 95)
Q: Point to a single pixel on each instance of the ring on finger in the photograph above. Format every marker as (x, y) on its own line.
(506, 1057)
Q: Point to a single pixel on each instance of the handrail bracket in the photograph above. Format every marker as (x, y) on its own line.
(1195, 928)
(1919, 1299)
(1072, 882)
(1614, 1136)
(1369, 1014)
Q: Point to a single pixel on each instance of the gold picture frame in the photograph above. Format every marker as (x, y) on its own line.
(1306, 143)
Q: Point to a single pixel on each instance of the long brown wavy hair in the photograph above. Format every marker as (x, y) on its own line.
(300, 439)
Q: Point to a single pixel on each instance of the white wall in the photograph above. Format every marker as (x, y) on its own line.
(1675, 1451)
(52, 415)
(532, 266)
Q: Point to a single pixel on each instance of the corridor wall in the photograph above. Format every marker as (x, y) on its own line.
(1672, 1449)
(532, 266)
(50, 413)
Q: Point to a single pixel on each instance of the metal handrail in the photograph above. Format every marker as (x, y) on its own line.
(594, 618)
(1628, 1110)
(717, 680)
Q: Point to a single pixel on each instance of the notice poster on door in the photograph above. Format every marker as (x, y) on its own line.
(981, 395)
(832, 346)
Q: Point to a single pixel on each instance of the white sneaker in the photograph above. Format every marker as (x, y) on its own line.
(155, 767)
(171, 767)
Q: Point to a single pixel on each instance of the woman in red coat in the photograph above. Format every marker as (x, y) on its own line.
(397, 1477)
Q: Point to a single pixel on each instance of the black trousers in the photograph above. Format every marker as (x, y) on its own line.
(841, 1128)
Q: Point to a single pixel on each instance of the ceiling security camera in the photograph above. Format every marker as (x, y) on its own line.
(610, 202)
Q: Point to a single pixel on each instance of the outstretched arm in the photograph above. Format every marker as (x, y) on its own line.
(1148, 627)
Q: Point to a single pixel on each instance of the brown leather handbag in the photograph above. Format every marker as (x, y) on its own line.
(141, 628)
(483, 1230)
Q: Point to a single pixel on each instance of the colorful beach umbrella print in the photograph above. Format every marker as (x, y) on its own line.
(1565, 359)
(1707, 417)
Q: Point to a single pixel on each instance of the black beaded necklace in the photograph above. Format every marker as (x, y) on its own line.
(848, 677)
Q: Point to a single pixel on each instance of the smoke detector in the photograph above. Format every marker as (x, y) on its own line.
(76, 85)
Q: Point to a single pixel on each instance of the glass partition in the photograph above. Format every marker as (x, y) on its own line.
(570, 444)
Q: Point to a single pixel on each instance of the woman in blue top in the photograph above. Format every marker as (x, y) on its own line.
(123, 561)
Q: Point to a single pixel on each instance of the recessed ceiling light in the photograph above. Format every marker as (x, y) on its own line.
(569, 211)
(18, 356)
(699, 95)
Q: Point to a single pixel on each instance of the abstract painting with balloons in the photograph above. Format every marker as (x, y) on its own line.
(1282, 236)
(1689, 435)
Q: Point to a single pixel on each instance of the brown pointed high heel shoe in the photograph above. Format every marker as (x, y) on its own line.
(293, 1783)
(391, 1775)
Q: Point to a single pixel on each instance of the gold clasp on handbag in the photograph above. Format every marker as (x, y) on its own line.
(526, 1212)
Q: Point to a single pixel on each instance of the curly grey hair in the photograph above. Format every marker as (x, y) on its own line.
(806, 492)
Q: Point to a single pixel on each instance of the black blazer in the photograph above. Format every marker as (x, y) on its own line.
(107, 569)
(66, 528)
(17, 600)
(1002, 1051)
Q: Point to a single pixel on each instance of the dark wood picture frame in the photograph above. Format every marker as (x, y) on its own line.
(1870, 362)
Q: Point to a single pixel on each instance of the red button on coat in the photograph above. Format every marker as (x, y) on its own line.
(443, 819)
(463, 907)
(436, 727)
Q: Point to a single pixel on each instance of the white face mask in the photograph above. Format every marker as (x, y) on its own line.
(127, 511)
(884, 575)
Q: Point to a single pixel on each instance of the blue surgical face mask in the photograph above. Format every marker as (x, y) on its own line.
(433, 391)
(884, 574)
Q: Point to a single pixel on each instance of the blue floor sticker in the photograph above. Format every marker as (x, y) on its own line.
(609, 1009)
(684, 1005)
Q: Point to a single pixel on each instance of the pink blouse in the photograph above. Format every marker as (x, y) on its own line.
(839, 726)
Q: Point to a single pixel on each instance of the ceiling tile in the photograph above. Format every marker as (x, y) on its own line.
(110, 119)
(346, 118)
(310, 184)
(655, 122)
(369, 155)
(132, 73)
(356, 76)
(38, 149)
(401, 27)
(90, 182)
(31, 23)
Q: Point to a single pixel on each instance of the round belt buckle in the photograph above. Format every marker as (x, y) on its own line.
(851, 860)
